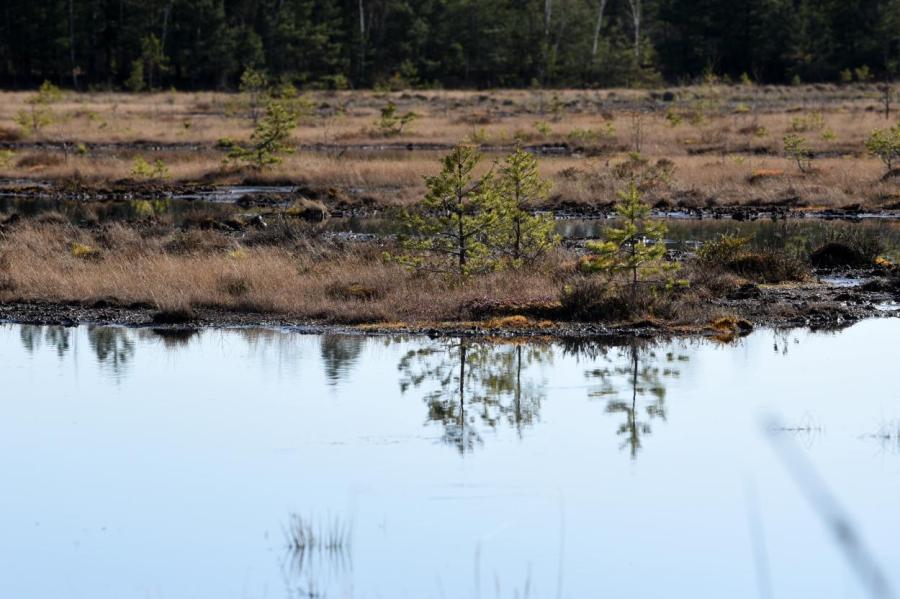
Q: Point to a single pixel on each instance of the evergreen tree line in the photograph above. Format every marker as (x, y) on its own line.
(208, 44)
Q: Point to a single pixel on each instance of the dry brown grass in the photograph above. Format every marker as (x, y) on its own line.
(126, 266)
(739, 133)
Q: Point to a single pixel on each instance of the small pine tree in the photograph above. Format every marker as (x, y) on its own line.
(637, 248)
(525, 237)
(253, 85)
(145, 170)
(135, 81)
(885, 143)
(390, 123)
(39, 113)
(270, 140)
(155, 61)
(455, 227)
(797, 148)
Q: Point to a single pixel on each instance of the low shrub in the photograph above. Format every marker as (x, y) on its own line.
(516, 321)
(589, 298)
(34, 160)
(848, 246)
(727, 328)
(8, 134)
(764, 174)
(733, 254)
(6, 280)
(174, 315)
(836, 254)
(84, 252)
(234, 285)
(310, 210)
(353, 291)
(768, 266)
(51, 217)
(722, 249)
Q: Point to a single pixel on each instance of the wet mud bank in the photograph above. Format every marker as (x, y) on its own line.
(248, 191)
(831, 302)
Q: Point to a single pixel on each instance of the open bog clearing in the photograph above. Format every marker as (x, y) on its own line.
(260, 463)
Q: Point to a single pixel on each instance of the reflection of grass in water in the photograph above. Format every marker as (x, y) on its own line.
(303, 535)
(887, 435)
(805, 431)
(307, 540)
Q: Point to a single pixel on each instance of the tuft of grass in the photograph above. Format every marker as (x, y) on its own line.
(303, 535)
(311, 210)
(174, 315)
(728, 328)
(732, 253)
(768, 266)
(234, 285)
(516, 321)
(84, 252)
(353, 291)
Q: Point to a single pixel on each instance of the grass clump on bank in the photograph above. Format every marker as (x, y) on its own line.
(733, 254)
(475, 252)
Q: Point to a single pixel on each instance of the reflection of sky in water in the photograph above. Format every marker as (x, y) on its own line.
(140, 465)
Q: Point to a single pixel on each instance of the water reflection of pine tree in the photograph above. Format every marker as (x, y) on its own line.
(33, 336)
(475, 383)
(113, 347)
(634, 387)
(339, 353)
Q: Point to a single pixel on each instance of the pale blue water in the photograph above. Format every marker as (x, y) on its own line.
(138, 466)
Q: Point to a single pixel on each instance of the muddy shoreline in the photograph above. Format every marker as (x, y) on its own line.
(546, 149)
(363, 203)
(816, 305)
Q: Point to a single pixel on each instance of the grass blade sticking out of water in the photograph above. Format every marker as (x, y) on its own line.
(887, 435)
(832, 514)
(307, 539)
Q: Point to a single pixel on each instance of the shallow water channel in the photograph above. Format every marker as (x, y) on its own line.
(140, 464)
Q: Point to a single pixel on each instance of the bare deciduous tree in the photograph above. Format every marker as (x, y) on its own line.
(548, 14)
(597, 26)
(635, 8)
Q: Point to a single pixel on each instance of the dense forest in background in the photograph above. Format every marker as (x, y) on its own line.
(208, 44)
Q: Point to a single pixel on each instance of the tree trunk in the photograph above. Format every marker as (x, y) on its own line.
(519, 387)
(461, 243)
(560, 29)
(462, 385)
(518, 222)
(362, 40)
(633, 274)
(548, 14)
(597, 26)
(72, 64)
(165, 26)
(517, 247)
(635, 8)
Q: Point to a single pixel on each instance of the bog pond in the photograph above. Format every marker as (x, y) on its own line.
(258, 463)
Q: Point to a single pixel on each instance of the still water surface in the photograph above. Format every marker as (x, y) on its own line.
(140, 465)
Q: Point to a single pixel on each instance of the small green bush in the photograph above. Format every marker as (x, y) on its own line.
(885, 143)
(732, 253)
(813, 121)
(797, 148)
(592, 299)
(39, 113)
(6, 158)
(391, 123)
(768, 266)
(722, 249)
(270, 140)
(144, 170)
